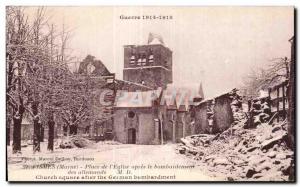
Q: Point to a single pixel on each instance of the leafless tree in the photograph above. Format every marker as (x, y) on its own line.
(17, 36)
(39, 82)
(263, 78)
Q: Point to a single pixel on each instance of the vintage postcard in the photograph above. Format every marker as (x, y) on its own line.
(150, 94)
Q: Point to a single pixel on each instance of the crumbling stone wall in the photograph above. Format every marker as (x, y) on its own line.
(201, 121)
(216, 115)
(223, 116)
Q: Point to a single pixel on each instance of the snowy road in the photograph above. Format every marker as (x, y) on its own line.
(104, 162)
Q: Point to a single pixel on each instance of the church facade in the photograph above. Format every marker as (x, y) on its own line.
(147, 117)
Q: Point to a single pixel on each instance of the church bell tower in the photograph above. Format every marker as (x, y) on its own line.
(150, 65)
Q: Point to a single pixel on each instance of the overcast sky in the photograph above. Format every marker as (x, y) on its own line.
(213, 45)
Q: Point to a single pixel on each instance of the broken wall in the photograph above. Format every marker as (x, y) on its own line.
(223, 116)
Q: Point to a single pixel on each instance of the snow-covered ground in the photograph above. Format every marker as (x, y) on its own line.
(151, 160)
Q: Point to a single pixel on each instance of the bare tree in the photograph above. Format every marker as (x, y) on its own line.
(263, 78)
(17, 36)
(39, 82)
(30, 71)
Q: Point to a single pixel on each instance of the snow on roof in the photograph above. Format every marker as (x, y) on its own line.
(136, 99)
(155, 41)
(218, 95)
(183, 95)
(263, 94)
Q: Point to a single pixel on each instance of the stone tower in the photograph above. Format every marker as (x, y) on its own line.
(150, 65)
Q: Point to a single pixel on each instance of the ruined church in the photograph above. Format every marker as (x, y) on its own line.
(151, 119)
(144, 116)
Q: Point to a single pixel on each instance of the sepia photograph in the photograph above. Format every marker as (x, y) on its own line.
(150, 94)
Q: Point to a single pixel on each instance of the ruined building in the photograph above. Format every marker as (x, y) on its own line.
(144, 107)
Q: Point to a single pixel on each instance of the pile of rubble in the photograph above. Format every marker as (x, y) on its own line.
(260, 112)
(74, 142)
(243, 154)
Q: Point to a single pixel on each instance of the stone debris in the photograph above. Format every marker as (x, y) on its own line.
(236, 106)
(239, 154)
(250, 173)
(276, 140)
(260, 112)
(73, 142)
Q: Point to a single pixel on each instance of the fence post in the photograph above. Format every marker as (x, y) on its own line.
(277, 103)
(283, 102)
